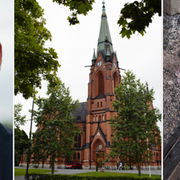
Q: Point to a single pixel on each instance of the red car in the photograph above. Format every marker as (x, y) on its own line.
(74, 165)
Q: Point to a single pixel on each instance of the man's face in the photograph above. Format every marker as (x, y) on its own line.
(0, 54)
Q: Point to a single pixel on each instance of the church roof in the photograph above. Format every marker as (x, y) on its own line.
(104, 40)
(80, 114)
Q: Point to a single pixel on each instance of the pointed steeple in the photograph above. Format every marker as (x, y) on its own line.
(94, 58)
(104, 40)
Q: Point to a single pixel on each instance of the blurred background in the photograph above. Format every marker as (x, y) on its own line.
(7, 66)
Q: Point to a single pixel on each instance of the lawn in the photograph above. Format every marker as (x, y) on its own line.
(22, 172)
(110, 174)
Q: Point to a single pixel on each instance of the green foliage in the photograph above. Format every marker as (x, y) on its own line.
(21, 144)
(76, 177)
(112, 174)
(18, 119)
(55, 137)
(21, 138)
(135, 121)
(136, 16)
(77, 7)
(22, 172)
(33, 62)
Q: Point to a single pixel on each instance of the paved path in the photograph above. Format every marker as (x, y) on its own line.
(77, 171)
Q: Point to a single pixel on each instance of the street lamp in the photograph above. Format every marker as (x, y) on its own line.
(96, 160)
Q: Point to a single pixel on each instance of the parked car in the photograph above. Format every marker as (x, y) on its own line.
(74, 165)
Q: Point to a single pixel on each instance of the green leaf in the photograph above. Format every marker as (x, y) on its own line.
(33, 62)
(131, 127)
(57, 130)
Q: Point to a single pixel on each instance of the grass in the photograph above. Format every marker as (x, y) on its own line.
(110, 174)
(22, 172)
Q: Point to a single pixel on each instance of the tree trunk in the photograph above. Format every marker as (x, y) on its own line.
(52, 167)
(43, 165)
(139, 169)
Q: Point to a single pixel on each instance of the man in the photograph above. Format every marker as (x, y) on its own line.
(6, 153)
(117, 165)
(122, 165)
(6, 147)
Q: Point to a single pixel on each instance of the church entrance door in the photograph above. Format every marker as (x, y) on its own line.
(100, 158)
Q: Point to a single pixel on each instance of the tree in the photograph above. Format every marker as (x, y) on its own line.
(55, 137)
(18, 119)
(77, 7)
(134, 126)
(21, 138)
(21, 144)
(33, 62)
(137, 16)
(134, 16)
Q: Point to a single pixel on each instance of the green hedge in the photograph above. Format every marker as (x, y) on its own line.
(71, 177)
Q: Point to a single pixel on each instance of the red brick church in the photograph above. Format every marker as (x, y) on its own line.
(93, 116)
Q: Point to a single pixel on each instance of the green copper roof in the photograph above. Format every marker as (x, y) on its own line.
(104, 40)
(94, 56)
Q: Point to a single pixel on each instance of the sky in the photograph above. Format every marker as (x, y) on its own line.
(6, 72)
(75, 44)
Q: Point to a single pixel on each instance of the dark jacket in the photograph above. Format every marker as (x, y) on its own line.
(6, 153)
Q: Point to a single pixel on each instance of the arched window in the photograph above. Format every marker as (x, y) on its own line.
(93, 119)
(97, 104)
(101, 84)
(79, 141)
(115, 79)
(96, 118)
(75, 145)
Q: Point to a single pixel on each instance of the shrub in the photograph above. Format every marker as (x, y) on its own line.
(74, 177)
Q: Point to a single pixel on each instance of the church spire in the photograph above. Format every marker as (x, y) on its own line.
(94, 58)
(104, 40)
(103, 6)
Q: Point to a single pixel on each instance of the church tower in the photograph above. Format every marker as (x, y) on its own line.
(103, 77)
